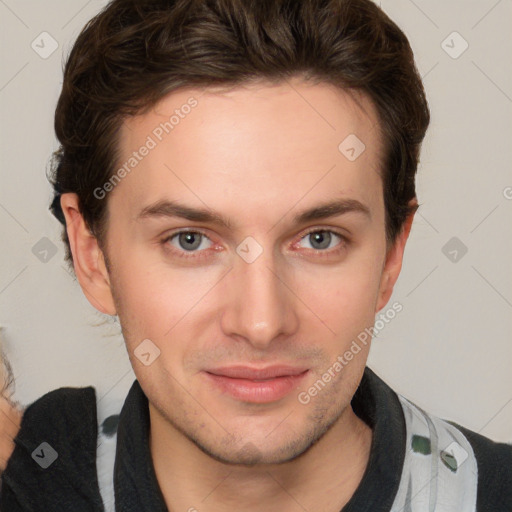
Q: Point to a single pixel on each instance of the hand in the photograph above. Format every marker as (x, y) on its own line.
(10, 413)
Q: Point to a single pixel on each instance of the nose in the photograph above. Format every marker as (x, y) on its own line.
(260, 304)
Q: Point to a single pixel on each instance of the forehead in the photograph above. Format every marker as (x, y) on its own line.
(255, 144)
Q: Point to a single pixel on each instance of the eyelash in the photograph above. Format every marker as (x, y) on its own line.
(203, 253)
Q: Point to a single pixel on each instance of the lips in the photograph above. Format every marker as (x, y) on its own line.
(250, 373)
(256, 385)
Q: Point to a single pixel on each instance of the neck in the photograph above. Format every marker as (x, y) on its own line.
(323, 478)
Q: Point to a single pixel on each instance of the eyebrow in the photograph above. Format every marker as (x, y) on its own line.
(166, 208)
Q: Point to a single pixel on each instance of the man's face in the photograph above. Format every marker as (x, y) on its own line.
(263, 292)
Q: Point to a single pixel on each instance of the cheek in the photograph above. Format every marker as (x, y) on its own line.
(345, 297)
(155, 299)
(143, 297)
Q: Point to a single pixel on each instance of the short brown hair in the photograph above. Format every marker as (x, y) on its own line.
(134, 52)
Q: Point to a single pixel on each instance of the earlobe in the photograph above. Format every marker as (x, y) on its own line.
(88, 259)
(393, 264)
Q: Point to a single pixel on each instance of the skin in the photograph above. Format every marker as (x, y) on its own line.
(258, 155)
(10, 420)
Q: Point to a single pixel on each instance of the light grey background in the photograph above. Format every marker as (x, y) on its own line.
(449, 350)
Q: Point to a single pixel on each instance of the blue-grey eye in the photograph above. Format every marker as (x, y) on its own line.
(321, 239)
(189, 240)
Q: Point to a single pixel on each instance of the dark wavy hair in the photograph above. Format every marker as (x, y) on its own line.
(134, 52)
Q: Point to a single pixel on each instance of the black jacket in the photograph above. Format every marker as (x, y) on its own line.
(66, 420)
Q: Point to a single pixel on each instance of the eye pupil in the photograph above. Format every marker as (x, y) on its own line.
(188, 238)
(322, 237)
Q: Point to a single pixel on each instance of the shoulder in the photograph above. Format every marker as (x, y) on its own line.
(54, 453)
(494, 460)
(471, 472)
(66, 411)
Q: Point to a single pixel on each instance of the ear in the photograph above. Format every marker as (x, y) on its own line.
(393, 263)
(88, 259)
